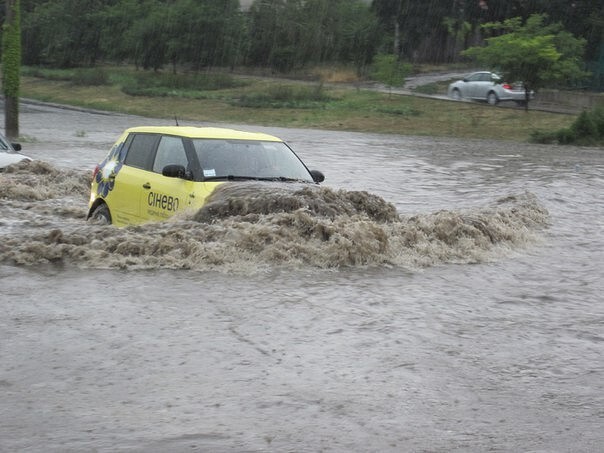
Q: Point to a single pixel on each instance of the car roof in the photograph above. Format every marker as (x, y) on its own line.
(485, 72)
(204, 132)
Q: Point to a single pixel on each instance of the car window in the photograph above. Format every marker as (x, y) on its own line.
(485, 77)
(170, 151)
(140, 151)
(473, 78)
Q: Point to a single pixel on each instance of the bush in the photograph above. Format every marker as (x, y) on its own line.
(48, 74)
(286, 96)
(543, 137)
(81, 76)
(90, 77)
(566, 136)
(169, 84)
(390, 71)
(588, 129)
(400, 111)
(585, 125)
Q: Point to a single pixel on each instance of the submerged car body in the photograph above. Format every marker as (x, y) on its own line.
(9, 153)
(151, 173)
(487, 86)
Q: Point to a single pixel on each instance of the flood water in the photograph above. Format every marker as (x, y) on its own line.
(434, 295)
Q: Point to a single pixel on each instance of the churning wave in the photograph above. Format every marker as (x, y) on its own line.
(254, 226)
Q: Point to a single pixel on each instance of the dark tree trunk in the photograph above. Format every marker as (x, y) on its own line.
(11, 117)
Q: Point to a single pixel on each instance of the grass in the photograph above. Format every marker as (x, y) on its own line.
(247, 100)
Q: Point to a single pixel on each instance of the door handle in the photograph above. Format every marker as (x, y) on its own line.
(146, 186)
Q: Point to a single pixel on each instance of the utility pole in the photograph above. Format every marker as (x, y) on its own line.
(11, 68)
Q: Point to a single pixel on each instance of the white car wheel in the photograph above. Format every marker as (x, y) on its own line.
(492, 98)
(456, 94)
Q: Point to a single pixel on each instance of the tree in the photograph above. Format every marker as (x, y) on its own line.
(533, 52)
(65, 33)
(11, 67)
(390, 70)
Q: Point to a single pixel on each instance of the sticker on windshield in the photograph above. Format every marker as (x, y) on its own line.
(209, 172)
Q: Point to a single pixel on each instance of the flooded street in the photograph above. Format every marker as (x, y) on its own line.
(450, 299)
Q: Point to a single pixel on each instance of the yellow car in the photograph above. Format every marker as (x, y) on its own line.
(151, 173)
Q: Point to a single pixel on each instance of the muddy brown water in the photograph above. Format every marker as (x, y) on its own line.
(431, 295)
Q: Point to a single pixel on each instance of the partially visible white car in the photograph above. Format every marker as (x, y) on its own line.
(487, 86)
(9, 153)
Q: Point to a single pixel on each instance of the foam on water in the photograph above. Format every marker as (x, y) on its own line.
(39, 180)
(250, 226)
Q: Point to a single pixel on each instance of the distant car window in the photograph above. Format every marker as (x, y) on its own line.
(473, 78)
(485, 77)
(139, 152)
(171, 151)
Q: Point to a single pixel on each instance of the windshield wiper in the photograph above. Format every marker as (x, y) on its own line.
(252, 178)
(229, 178)
(283, 178)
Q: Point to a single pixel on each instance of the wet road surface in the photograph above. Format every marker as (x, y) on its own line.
(473, 322)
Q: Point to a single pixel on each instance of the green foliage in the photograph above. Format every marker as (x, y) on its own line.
(47, 73)
(348, 109)
(389, 70)
(544, 137)
(588, 129)
(77, 76)
(183, 85)
(63, 33)
(11, 54)
(291, 35)
(288, 34)
(90, 77)
(286, 96)
(399, 110)
(534, 52)
(11, 65)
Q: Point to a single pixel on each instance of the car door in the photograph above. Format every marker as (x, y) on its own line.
(132, 176)
(483, 85)
(163, 196)
(470, 85)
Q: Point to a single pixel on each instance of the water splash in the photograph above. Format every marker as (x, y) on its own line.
(39, 180)
(249, 200)
(246, 227)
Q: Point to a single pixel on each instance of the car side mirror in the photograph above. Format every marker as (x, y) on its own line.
(16, 146)
(174, 171)
(317, 176)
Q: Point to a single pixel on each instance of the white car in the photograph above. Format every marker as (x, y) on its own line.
(9, 153)
(487, 86)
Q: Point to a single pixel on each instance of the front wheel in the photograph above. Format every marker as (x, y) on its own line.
(492, 98)
(455, 94)
(101, 215)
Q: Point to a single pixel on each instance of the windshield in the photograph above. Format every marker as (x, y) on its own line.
(249, 159)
